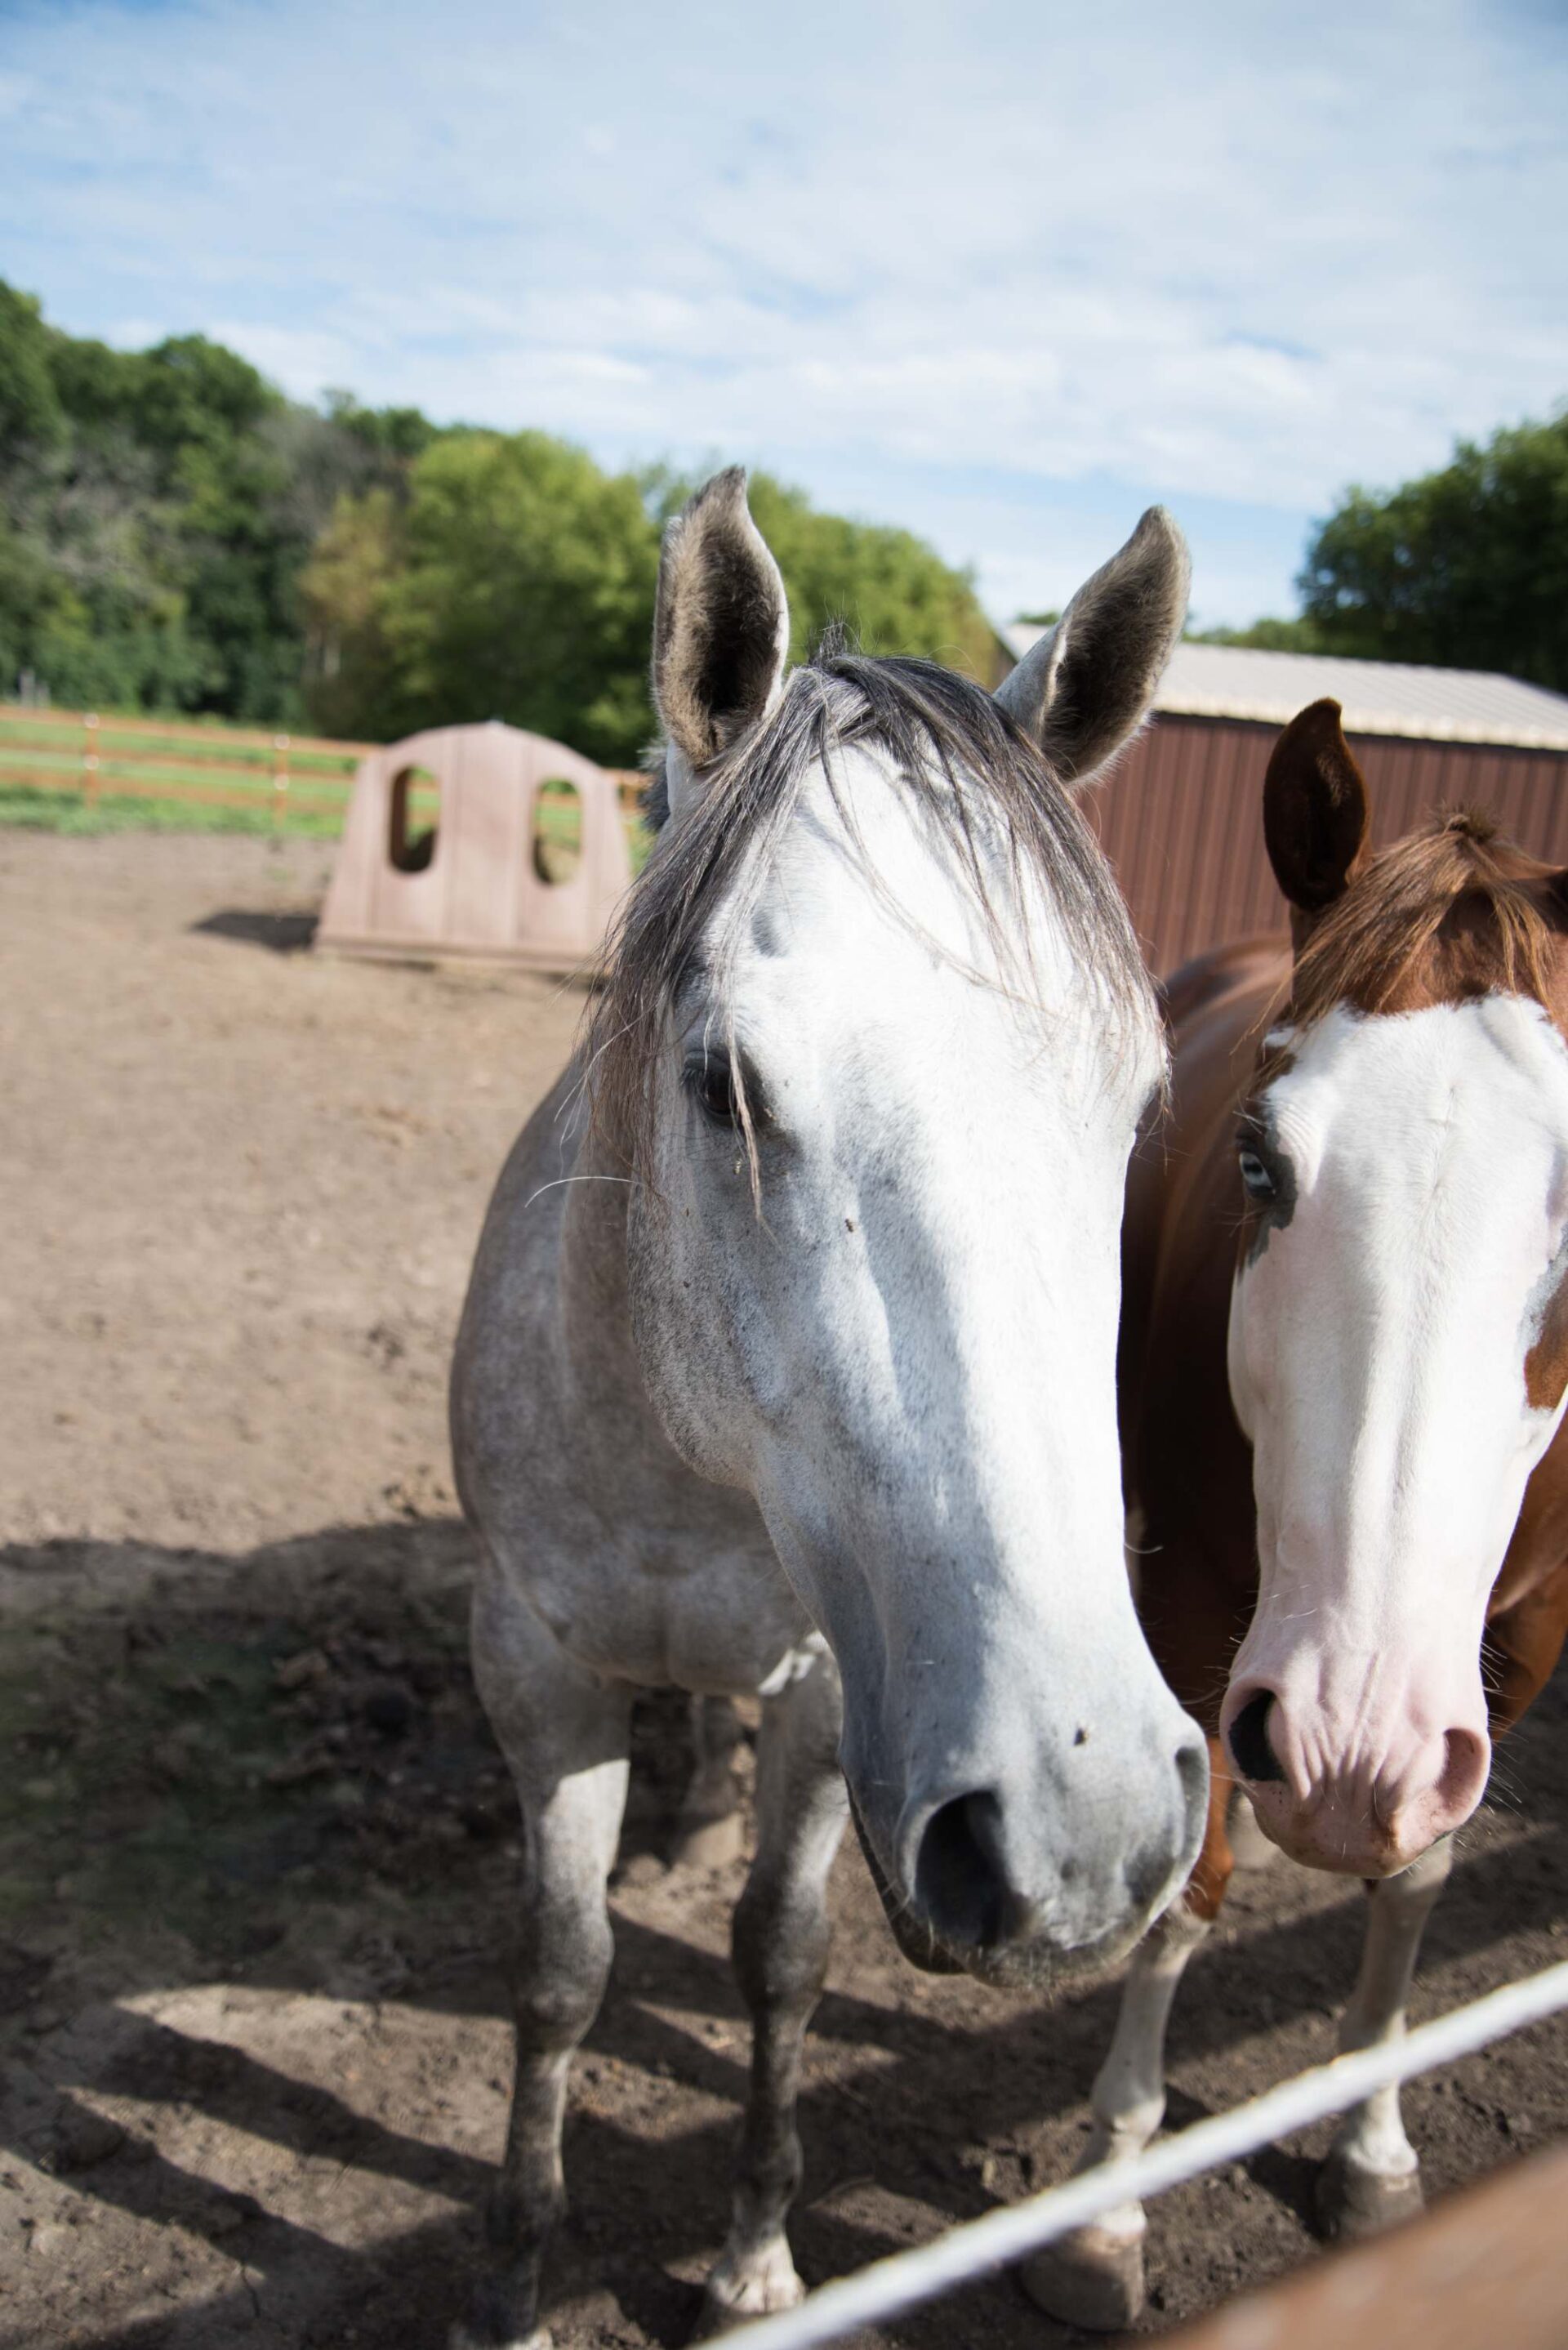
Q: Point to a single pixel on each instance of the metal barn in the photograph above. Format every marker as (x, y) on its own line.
(1181, 816)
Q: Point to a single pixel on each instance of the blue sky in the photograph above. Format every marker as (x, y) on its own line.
(1003, 275)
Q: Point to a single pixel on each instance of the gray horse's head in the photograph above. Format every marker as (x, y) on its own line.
(876, 1042)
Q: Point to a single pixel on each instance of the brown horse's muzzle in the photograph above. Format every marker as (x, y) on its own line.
(1351, 1791)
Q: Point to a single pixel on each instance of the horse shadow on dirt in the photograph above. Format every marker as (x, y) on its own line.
(268, 1779)
(280, 933)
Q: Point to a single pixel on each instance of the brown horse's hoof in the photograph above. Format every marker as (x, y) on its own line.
(1351, 2201)
(710, 1843)
(1093, 2278)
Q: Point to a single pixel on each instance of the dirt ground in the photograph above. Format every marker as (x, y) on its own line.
(255, 1845)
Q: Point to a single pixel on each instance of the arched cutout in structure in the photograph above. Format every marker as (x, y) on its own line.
(410, 844)
(557, 849)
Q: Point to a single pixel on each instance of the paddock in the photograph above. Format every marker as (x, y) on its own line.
(255, 1846)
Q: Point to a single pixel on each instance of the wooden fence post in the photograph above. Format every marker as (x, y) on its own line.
(279, 778)
(89, 760)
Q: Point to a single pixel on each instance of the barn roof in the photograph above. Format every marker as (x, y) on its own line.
(1439, 706)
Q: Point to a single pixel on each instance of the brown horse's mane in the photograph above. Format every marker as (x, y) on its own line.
(1451, 912)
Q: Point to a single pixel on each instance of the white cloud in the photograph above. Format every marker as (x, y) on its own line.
(1216, 255)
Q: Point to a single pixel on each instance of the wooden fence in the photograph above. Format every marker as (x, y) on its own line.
(96, 756)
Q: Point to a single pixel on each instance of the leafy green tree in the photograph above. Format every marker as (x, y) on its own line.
(527, 587)
(351, 684)
(32, 419)
(176, 534)
(1467, 567)
(1267, 636)
(160, 507)
(517, 582)
(520, 586)
(892, 592)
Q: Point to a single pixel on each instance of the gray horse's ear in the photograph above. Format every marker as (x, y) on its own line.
(1086, 687)
(721, 629)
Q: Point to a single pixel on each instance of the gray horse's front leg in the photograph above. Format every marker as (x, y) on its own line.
(565, 1735)
(1372, 2178)
(781, 1944)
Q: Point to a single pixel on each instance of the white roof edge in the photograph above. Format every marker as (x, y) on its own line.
(1177, 704)
(1423, 704)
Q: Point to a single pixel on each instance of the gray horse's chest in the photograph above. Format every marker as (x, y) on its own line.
(717, 1618)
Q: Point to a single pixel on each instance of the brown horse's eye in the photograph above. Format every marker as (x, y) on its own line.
(1257, 1175)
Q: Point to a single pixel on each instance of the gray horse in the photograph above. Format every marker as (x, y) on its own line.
(787, 1367)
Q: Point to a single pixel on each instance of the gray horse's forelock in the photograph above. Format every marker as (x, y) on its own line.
(976, 777)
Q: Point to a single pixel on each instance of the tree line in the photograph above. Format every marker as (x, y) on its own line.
(1466, 568)
(175, 535)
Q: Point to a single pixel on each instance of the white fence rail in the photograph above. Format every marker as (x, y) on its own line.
(888, 2287)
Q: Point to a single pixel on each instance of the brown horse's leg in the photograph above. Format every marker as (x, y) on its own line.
(1251, 1847)
(1371, 2178)
(780, 1945)
(1094, 2276)
(565, 1735)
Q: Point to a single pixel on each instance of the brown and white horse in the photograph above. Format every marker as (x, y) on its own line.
(1343, 1369)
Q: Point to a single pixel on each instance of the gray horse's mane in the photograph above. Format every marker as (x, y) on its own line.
(979, 780)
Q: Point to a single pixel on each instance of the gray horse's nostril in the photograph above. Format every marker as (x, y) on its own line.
(960, 1882)
(1192, 1770)
(1248, 1738)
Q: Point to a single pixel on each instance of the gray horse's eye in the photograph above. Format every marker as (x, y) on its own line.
(1256, 1173)
(710, 1080)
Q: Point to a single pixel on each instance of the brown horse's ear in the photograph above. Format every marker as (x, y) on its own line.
(1314, 810)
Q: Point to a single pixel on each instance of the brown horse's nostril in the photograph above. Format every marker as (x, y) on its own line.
(1248, 1738)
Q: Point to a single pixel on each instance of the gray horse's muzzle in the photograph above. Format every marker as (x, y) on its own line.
(1034, 1893)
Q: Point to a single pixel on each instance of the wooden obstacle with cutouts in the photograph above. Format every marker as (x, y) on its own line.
(480, 841)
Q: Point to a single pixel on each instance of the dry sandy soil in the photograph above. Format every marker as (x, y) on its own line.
(255, 1849)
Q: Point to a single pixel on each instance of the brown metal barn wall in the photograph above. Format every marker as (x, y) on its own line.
(1182, 819)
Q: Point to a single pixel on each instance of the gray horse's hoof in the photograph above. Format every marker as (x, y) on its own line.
(756, 2283)
(1351, 2201)
(709, 1844)
(719, 2317)
(501, 2315)
(1091, 2279)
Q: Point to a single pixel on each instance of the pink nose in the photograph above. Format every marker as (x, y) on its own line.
(1352, 1808)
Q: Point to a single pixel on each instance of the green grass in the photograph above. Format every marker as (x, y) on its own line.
(30, 749)
(60, 748)
(313, 775)
(62, 811)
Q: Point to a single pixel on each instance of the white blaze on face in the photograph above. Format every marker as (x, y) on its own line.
(1379, 1332)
